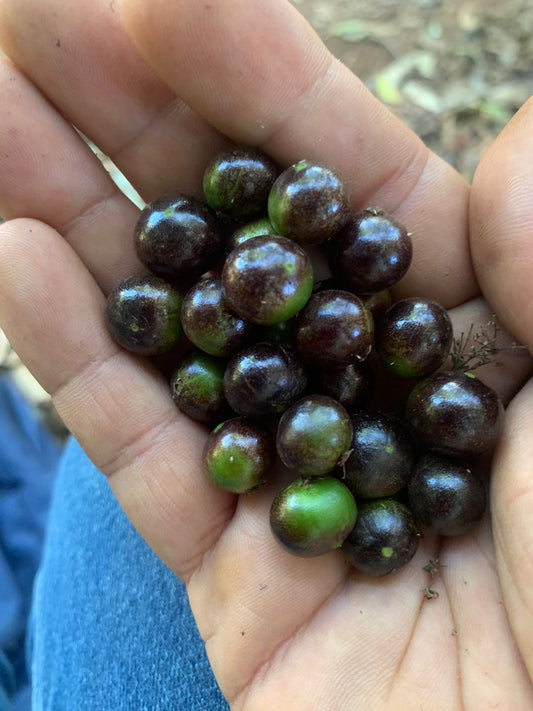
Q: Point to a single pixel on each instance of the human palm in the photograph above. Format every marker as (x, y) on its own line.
(281, 631)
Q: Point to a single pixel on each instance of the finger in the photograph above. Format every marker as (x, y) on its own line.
(85, 63)
(50, 174)
(502, 225)
(259, 74)
(512, 510)
(117, 406)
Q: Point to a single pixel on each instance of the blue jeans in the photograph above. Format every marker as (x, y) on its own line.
(111, 627)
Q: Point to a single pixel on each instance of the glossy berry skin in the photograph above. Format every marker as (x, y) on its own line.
(309, 203)
(263, 379)
(267, 279)
(143, 314)
(384, 539)
(455, 414)
(414, 337)
(371, 252)
(334, 329)
(177, 237)
(313, 435)
(238, 454)
(351, 384)
(311, 517)
(237, 183)
(382, 456)
(209, 323)
(257, 228)
(197, 388)
(446, 496)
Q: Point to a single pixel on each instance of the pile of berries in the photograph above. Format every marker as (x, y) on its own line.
(285, 366)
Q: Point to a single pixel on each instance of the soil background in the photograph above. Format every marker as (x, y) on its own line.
(455, 71)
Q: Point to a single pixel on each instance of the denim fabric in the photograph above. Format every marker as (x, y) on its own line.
(29, 457)
(111, 625)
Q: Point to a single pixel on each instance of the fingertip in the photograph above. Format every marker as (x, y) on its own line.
(501, 225)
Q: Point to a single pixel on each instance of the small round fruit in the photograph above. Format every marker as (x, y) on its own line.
(309, 202)
(313, 435)
(414, 337)
(197, 388)
(143, 314)
(372, 252)
(384, 539)
(177, 237)
(237, 183)
(382, 456)
(263, 379)
(209, 323)
(446, 496)
(333, 329)
(311, 517)
(267, 279)
(238, 454)
(455, 414)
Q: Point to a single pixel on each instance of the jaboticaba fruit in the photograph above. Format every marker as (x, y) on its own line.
(384, 539)
(267, 279)
(335, 328)
(309, 202)
(197, 388)
(238, 454)
(177, 237)
(208, 321)
(311, 517)
(413, 337)
(143, 314)
(313, 435)
(237, 183)
(263, 379)
(371, 253)
(455, 413)
(446, 496)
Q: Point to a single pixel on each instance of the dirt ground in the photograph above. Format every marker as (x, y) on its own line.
(455, 71)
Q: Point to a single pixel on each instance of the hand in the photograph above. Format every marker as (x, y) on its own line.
(281, 632)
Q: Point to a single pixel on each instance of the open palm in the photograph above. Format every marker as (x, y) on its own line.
(281, 632)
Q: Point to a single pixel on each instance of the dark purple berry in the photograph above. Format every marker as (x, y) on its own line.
(414, 337)
(143, 314)
(382, 456)
(384, 539)
(455, 413)
(335, 328)
(237, 183)
(267, 279)
(177, 237)
(371, 253)
(208, 321)
(446, 496)
(309, 203)
(262, 380)
(313, 435)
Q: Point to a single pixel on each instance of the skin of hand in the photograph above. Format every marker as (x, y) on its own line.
(160, 87)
